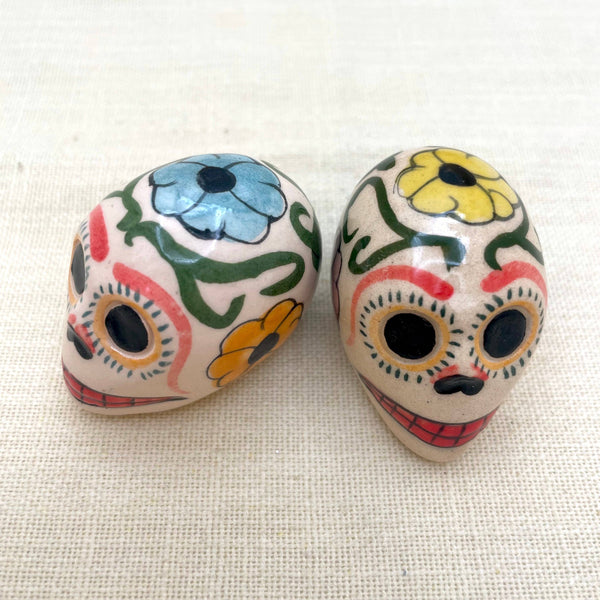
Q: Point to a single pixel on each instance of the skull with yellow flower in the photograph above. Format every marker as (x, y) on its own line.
(448, 182)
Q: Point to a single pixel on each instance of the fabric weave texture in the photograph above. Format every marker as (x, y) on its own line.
(286, 484)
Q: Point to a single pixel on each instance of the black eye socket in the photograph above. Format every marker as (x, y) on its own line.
(504, 333)
(409, 335)
(78, 269)
(126, 328)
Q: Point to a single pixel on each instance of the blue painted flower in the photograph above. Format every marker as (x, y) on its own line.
(218, 196)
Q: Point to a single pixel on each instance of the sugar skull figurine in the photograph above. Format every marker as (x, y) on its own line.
(178, 284)
(439, 289)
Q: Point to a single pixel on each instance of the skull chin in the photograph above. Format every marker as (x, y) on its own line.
(434, 440)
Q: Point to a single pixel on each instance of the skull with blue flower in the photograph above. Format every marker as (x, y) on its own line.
(185, 279)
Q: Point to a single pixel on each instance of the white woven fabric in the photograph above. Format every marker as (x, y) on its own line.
(287, 484)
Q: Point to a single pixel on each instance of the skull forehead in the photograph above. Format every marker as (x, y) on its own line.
(420, 200)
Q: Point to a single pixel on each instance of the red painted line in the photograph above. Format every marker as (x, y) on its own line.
(145, 286)
(451, 431)
(98, 235)
(479, 372)
(496, 280)
(445, 372)
(428, 282)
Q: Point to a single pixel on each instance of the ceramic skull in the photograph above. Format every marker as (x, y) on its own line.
(184, 280)
(439, 288)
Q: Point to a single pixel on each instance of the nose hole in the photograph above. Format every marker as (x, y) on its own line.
(79, 344)
(458, 383)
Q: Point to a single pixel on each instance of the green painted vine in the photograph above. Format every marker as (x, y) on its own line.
(309, 237)
(517, 237)
(452, 249)
(191, 268)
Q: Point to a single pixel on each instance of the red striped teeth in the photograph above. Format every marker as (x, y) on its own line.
(92, 397)
(435, 433)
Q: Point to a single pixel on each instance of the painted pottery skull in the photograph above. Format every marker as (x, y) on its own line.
(439, 287)
(184, 280)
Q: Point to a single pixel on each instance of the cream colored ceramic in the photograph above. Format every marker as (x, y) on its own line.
(438, 283)
(184, 280)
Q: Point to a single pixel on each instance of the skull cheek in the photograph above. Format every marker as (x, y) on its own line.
(116, 337)
(404, 338)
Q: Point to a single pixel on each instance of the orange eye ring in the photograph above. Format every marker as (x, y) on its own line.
(376, 333)
(533, 322)
(127, 359)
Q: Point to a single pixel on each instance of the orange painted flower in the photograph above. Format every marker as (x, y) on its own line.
(253, 340)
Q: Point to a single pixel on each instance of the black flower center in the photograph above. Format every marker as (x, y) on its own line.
(215, 180)
(456, 175)
(263, 348)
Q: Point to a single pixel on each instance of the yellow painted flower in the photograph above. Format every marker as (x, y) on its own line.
(253, 340)
(450, 182)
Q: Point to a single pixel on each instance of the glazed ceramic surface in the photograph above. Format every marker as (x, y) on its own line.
(439, 288)
(184, 280)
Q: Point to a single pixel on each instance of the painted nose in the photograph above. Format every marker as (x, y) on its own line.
(458, 383)
(79, 344)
